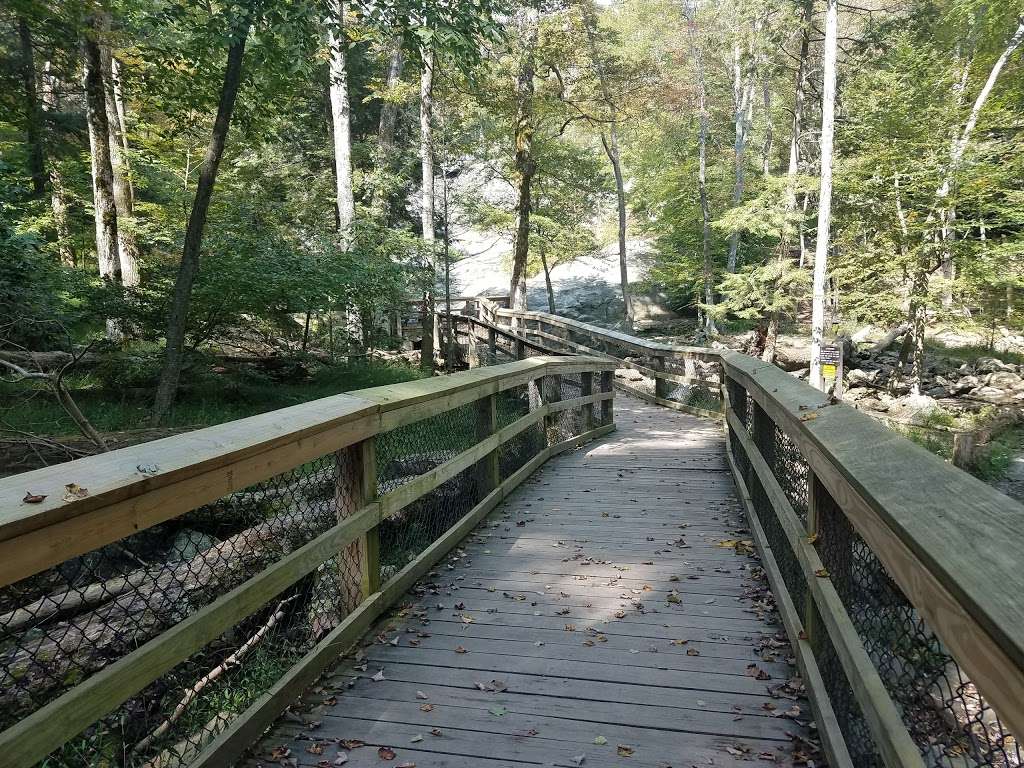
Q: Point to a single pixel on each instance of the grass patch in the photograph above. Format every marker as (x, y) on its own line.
(204, 400)
(993, 464)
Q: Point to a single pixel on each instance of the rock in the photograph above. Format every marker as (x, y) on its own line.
(939, 391)
(859, 376)
(965, 384)
(874, 404)
(188, 543)
(992, 395)
(991, 365)
(1004, 380)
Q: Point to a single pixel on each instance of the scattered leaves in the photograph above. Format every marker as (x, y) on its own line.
(74, 492)
(386, 753)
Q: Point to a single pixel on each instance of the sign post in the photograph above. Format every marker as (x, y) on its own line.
(832, 367)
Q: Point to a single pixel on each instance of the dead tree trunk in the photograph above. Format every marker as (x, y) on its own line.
(58, 190)
(33, 114)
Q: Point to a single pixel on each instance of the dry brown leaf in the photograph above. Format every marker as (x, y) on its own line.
(386, 753)
(34, 498)
(624, 751)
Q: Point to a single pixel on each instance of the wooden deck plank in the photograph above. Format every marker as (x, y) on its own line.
(599, 539)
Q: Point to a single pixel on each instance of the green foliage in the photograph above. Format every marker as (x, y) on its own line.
(758, 292)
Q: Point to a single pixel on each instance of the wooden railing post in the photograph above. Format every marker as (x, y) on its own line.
(607, 407)
(488, 468)
(551, 392)
(662, 387)
(520, 350)
(587, 389)
(492, 345)
(472, 354)
(356, 486)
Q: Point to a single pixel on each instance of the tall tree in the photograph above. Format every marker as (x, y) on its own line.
(58, 188)
(104, 207)
(176, 324)
(33, 113)
(610, 142)
(525, 164)
(427, 318)
(707, 263)
(127, 247)
(828, 105)
(341, 118)
(743, 105)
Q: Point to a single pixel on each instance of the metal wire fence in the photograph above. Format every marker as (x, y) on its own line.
(66, 624)
(942, 710)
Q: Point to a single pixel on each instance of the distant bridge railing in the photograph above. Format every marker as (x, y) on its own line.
(899, 578)
(161, 605)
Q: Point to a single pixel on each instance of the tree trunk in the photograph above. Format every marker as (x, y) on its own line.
(389, 110)
(771, 338)
(33, 114)
(127, 247)
(341, 119)
(793, 169)
(702, 153)
(766, 148)
(105, 210)
(743, 103)
(525, 164)
(828, 103)
(611, 148)
(58, 190)
(947, 214)
(427, 318)
(176, 324)
(547, 275)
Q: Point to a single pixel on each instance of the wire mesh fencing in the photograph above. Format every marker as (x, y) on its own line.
(62, 626)
(943, 712)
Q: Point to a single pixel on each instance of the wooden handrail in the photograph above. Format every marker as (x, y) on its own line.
(139, 487)
(951, 543)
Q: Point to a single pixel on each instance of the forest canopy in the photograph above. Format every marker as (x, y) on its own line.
(180, 179)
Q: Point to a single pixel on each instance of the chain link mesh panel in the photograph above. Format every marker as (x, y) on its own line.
(64, 625)
(943, 711)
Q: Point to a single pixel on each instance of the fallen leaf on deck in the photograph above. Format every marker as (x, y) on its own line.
(379, 676)
(821, 573)
(352, 743)
(578, 760)
(421, 695)
(73, 492)
(497, 710)
(692, 652)
(277, 753)
(386, 753)
(600, 741)
(460, 649)
(341, 759)
(426, 707)
(624, 751)
(416, 739)
(316, 748)
(34, 498)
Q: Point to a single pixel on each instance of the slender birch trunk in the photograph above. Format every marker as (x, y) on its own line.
(340, 119)
(697, 52)
(766, 148)
(525, 164)
(828, 103)
(919, 284)
(176, 323)
(389, 110)
(127, 246)
(427, 205)
(743, 93)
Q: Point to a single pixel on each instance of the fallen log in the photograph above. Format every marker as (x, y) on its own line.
(883, 343)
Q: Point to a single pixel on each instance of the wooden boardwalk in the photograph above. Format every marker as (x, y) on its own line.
(599, 617)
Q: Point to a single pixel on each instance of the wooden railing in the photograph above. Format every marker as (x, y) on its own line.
(899, 578)
(338, 507)
(685, 378)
